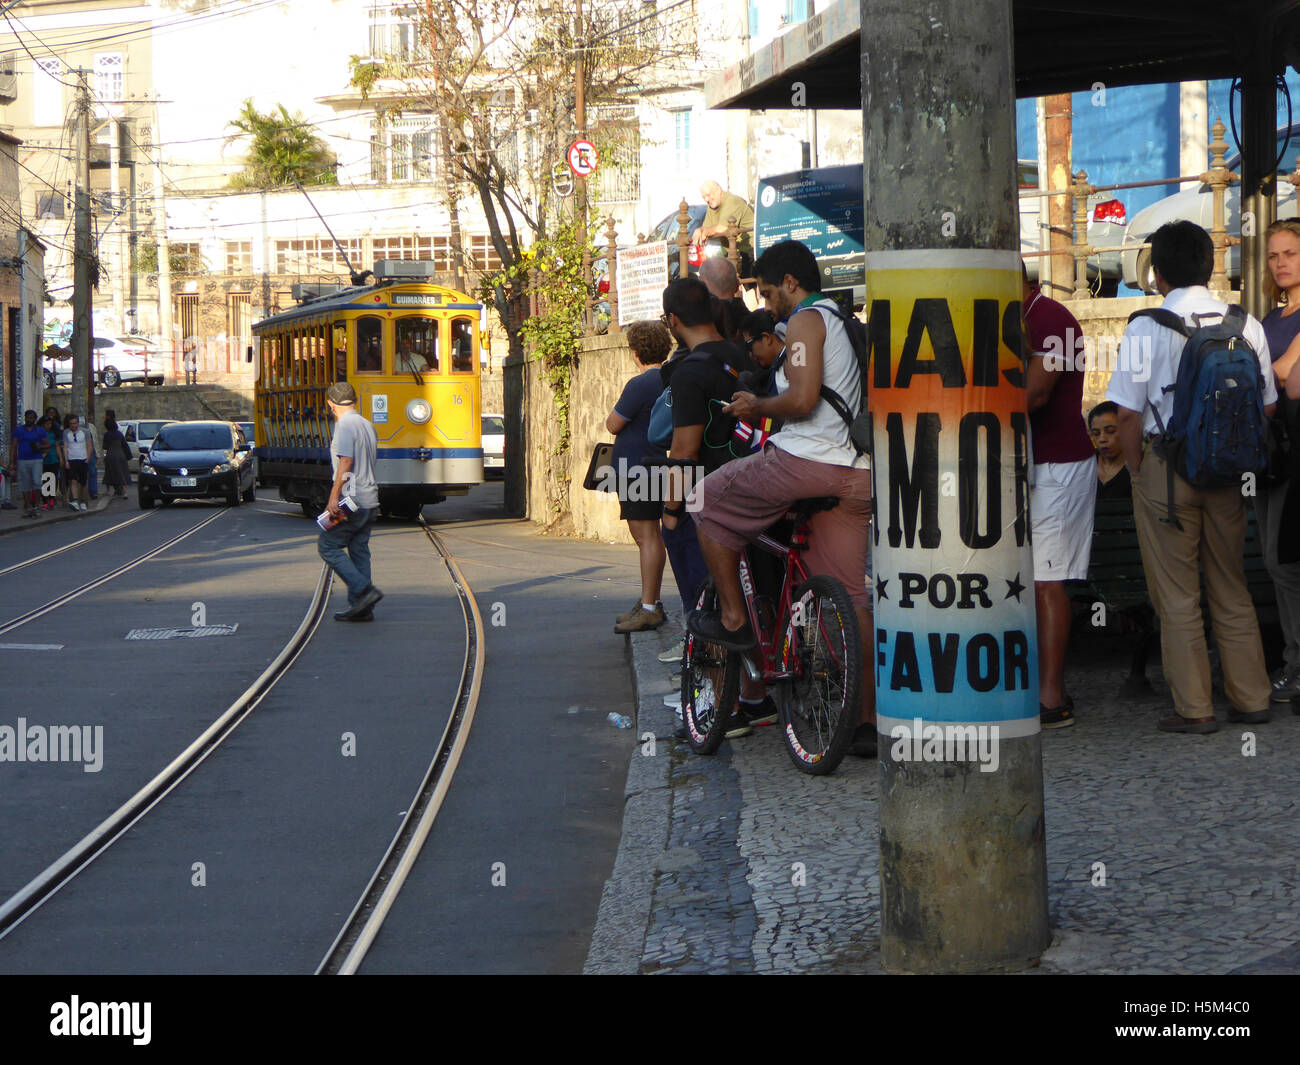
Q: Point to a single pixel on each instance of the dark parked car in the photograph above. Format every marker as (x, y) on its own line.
(197, 460)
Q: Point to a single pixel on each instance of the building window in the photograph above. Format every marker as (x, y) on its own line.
(239, 256)
(239, 316)
(401, 149)
(392, 31)
(314, 256)
(682, 141)
(185, 258)
(480, 255)
(47, 93)
(109, 87)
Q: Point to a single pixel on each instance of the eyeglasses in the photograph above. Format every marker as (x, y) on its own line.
(663, 318)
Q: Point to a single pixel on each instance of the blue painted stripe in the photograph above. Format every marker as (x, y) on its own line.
(273, 454)
(434, 452)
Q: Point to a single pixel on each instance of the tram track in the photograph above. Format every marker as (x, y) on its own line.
(354, 940)
(79, 543)
(358, 933)
(104, 578)
(59, 873)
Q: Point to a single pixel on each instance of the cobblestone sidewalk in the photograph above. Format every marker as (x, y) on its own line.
(1165, 853)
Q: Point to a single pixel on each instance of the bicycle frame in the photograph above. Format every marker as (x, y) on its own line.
(773, 666)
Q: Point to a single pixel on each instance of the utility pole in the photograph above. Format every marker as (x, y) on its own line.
(580, 108)
(165, 337)
(963, 868)
(1058, 210)
(122, 268)
(83, 395)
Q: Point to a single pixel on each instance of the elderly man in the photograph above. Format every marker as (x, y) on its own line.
(720, 277)
(722, 207)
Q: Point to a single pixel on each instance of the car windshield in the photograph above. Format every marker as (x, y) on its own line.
(192, 438)
(149, 429)
(493, 425)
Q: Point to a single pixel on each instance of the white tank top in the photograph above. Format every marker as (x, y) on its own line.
(822, 436)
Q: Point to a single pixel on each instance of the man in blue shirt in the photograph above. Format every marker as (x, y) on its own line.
(26, 454)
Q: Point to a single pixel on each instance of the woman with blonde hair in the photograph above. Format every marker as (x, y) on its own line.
(1278, 528)
(629, 421)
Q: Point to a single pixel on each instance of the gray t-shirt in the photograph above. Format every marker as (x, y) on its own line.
(354, 438)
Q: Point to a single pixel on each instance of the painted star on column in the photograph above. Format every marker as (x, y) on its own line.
(1014, 587)
(880, 587)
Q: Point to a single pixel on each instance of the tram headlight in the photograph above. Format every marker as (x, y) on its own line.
(418, 411)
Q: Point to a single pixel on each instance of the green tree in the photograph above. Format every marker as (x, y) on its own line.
(284, 149)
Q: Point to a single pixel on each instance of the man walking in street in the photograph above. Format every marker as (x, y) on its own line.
(346, 547)
(1181, 528)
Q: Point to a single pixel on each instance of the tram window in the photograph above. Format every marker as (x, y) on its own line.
(370, 345)
(417, 345)
(340, 352)
(462, 345)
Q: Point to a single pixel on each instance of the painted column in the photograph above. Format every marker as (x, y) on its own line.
(962, 857)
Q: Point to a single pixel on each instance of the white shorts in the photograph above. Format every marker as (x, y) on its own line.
(1061, 503)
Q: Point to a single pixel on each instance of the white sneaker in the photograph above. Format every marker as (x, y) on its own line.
(81, 506)
(674, 652)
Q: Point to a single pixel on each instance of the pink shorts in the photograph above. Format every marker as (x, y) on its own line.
(736, 502)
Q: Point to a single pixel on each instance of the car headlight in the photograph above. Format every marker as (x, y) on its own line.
(225, 467)
(418, 411)
(146, 466)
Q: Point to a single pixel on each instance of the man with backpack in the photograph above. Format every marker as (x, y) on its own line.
(1190, 461)
(819, 394)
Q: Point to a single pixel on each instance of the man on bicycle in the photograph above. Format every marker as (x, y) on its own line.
(810, 456)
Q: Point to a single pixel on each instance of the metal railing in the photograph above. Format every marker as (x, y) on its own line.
(1218, 177)
(732, 236)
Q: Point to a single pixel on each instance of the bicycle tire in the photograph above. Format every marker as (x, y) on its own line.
(821, 704)
(710, 685)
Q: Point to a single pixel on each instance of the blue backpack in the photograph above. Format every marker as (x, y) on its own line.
(1218, 431)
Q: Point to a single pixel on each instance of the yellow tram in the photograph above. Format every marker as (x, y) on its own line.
(411, 350)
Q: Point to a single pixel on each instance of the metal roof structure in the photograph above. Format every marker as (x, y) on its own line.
(1063, 46)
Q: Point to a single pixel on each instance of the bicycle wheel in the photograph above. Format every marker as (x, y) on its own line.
(710, 685)
(821, 703)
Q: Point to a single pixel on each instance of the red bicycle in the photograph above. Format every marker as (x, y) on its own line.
(809, 650)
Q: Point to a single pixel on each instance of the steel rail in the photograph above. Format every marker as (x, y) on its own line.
(354, 940)
(89, 586)
(79, 543)
(44, 886)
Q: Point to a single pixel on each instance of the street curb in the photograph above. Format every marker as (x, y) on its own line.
(94, 507)
(623, 920)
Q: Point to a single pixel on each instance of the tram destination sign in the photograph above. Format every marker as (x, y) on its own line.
(415, 299)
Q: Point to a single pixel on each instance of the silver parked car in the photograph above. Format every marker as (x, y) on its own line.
(1196, 204)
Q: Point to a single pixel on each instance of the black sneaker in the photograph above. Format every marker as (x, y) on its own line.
(1057, 717)
(738, 726)
(764, 713)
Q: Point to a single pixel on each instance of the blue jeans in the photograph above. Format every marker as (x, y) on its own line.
(689, 570)
(346, 550)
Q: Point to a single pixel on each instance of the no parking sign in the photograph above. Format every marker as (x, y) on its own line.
(582, 158)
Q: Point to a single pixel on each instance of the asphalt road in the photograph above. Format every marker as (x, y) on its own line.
(252, 864)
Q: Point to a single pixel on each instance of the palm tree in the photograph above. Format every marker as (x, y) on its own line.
(284, 149)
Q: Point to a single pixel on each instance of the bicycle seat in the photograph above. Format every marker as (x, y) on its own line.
(803, 509)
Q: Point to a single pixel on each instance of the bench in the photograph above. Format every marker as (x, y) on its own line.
(1117, 582)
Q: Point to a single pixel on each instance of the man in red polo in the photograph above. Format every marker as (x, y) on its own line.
(1063, 487)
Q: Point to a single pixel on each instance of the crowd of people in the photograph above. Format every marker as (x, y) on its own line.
(54, 460)
(728, 374)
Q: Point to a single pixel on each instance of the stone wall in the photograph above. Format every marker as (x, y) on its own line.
(176, 402)
(547, 487)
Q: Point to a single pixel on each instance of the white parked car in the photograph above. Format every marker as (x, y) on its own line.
(494, 447)
(1106, 219)
(139, 435)
(116, 361)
